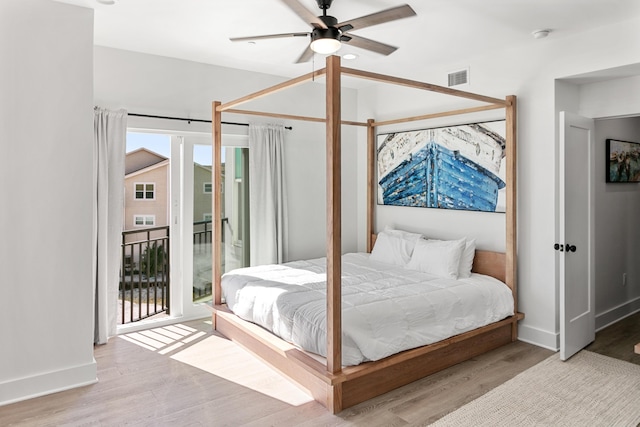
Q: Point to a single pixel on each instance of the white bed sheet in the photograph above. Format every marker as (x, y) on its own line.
(385, 308)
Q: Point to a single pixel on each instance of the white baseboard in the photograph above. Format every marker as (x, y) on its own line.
(539, 337)
(47, 383)
(551, 340)
(616, 314)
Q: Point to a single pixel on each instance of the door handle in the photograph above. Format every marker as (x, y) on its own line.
(563, 248)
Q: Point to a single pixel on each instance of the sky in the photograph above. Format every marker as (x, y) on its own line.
(161, 144)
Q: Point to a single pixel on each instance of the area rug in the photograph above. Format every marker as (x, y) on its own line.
(587, 390)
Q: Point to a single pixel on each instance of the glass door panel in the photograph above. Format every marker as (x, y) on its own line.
(235, 208)
(235, 215)
(202, 223)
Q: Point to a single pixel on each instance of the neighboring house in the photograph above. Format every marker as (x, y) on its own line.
(202, 190)
(146, 191)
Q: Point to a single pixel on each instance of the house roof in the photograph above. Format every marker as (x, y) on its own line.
(141, 158)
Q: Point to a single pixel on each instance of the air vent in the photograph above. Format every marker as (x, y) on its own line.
(457, 78)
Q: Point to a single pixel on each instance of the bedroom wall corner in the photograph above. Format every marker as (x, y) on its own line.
(46, 158)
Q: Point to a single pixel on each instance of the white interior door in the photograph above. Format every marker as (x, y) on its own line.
(575, 240)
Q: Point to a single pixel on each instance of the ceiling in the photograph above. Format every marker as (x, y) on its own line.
(443, 32)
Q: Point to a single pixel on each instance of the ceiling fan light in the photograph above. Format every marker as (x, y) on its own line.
(325, 46)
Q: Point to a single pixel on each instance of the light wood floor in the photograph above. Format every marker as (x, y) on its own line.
(187, 375)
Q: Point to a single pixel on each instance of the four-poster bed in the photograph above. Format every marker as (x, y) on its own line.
(335, 386)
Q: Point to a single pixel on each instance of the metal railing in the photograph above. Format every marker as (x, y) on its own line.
(202, 286)
(144, 270)
(202, 236)
(144, 274)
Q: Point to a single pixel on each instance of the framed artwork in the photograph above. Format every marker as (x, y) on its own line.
(623, 162)
(453, 167)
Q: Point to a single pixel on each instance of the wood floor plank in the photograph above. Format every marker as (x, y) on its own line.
(209, 381)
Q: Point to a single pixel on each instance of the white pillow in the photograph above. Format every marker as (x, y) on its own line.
(441, 258)
(466, 262)
(392, 249)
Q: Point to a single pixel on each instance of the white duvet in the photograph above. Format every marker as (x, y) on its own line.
(385, 308)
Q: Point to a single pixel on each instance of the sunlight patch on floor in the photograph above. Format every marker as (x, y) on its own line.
(164, 339)
(225, 359)
(220, 357)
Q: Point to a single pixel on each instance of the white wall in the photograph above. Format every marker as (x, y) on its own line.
(528, 72)
(617, 246)
(46, 156)
(156, 85)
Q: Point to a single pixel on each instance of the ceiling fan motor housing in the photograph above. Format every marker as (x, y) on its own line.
(329, 21)
(331, 32)
(321, 33)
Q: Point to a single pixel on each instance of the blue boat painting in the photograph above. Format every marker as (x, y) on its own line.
(455, 167)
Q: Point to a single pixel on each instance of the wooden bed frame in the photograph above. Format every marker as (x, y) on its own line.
(335, 387)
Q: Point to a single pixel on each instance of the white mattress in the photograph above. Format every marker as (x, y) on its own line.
(385, 308)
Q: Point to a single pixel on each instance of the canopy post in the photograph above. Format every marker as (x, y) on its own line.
(511, 208)
(216, 202)
(371, 185)
(334, 220)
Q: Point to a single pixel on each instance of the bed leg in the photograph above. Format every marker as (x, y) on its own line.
(213, 320)
(514, 326)
(334, 398)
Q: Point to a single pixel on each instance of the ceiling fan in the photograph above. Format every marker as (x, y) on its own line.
(328, 34)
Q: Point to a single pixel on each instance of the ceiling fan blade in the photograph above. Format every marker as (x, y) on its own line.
(269, 36)
(304, 13)
(369, 44)
(392, 14)
(306, 55)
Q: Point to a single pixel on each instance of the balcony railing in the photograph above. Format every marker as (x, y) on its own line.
(144, 270)
(144, 274)
(202, 288)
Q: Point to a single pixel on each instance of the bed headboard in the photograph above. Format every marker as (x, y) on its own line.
(491, 263)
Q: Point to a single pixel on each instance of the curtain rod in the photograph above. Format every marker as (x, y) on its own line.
(191, 120)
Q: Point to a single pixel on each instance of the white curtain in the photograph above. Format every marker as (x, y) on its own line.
(267, 194)
(110, 133)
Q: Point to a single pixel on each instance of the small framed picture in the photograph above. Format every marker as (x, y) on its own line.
(623, 161)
